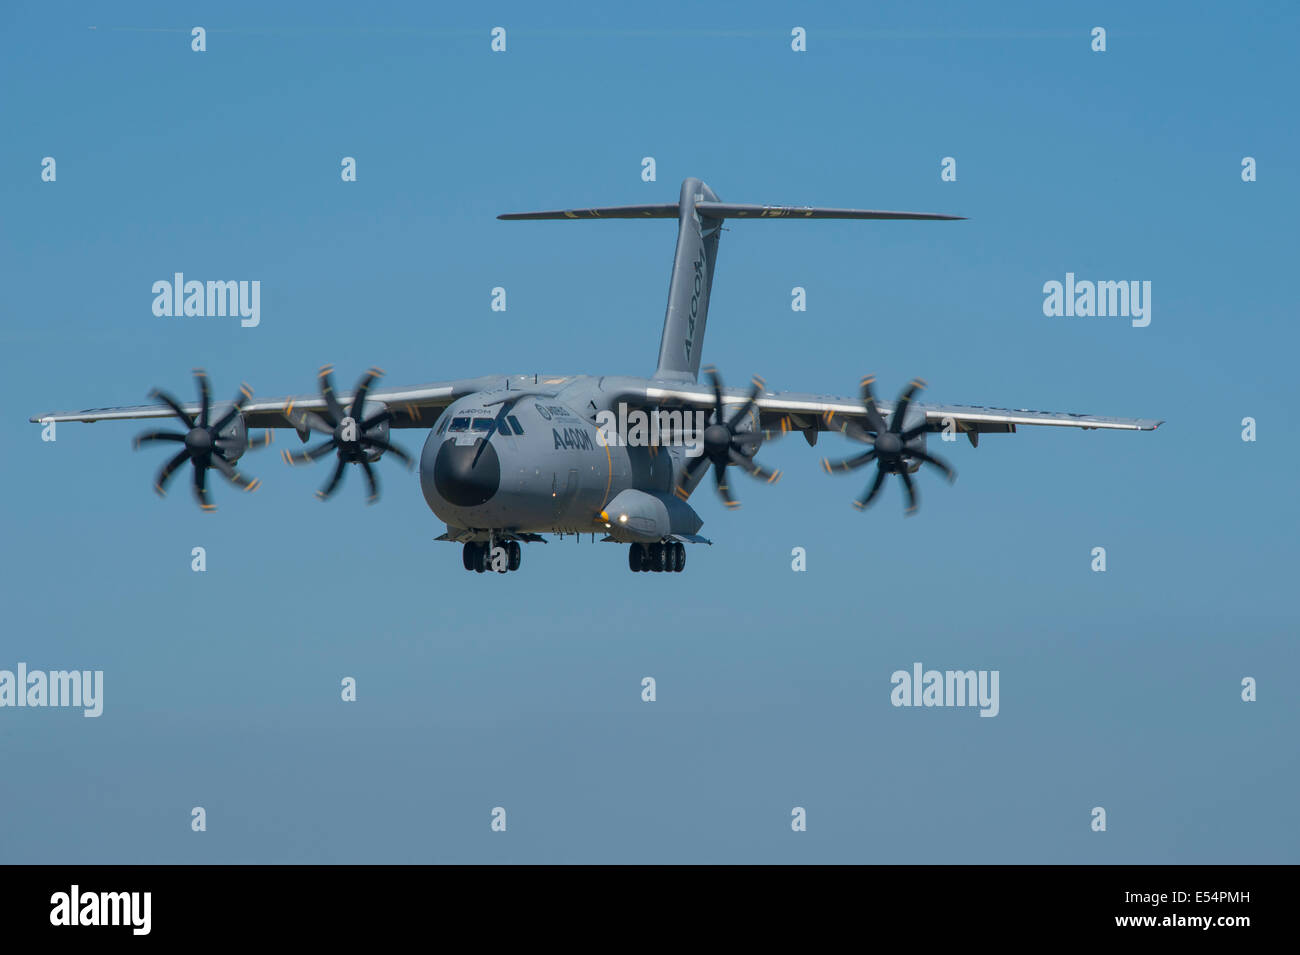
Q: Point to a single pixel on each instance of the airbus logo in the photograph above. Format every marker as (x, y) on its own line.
(695, 303)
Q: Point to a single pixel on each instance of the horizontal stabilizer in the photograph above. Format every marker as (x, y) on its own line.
(663, 210)
(700, 215)
(724, 210)
(732, 210)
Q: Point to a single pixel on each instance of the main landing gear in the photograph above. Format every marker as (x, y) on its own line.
(669, 557)
(481, 556)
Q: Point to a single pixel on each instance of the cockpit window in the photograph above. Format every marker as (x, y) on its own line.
(459, 424)
(514, 423)
(483, 424)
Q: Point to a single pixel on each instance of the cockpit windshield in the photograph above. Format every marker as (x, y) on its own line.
(487, 426)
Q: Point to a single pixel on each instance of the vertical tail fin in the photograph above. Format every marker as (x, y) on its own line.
(700, 214)
(689, 286)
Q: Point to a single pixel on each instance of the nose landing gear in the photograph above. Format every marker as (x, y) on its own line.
(668, 557)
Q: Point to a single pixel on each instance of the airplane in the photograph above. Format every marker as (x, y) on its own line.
(510, 458)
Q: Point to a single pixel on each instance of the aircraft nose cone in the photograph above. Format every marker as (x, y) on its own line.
(462, 480)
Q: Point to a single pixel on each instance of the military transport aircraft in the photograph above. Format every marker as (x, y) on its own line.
(510, 458)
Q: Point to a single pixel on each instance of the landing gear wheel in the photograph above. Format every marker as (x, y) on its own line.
(635, 558)
(467, 555)
(514, 554)
(482, 558)
(679, 557)
(660, 557)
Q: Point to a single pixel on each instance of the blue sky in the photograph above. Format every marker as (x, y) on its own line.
(1119, 690)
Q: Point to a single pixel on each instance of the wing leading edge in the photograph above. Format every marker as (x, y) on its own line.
(783, 410)
(412, 407)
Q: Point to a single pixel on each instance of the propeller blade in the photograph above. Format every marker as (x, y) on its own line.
(717, 393)
(746, 439)
(234, 477)
(874, 420)
(694, 465)
(175, 405)
(376, 419)
(910, 489)
(241, 399)
(201, 487)
(672, 435)
(371, 482)
(904, 400)
(327, 392)
(168, 469)
(393, 449)
(847, 426)
(311, 454)
(870, 496)
(205, 396)
(749, 404)
(312, 421)
(849, 464)
(720, 479)
(265, 438)
(688, 473)
(750, 466)
(149, 436)
(939, 463)
(332, 485)
(359, 399)
(783, 427)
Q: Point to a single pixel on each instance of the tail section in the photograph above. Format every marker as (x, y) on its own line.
(700, 214)
(689, 287)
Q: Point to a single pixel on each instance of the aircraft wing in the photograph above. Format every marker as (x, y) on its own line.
(811, 413)
(413, 407)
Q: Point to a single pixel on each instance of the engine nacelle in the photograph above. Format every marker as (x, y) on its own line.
(649, 516)
(915, 418)
(233, 438)
(378, 430)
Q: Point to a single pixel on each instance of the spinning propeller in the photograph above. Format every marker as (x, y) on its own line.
(889, 445)
(724, 444)
(205, 445)
(354, 440)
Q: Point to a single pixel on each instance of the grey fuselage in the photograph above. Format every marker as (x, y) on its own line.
(561, 474)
